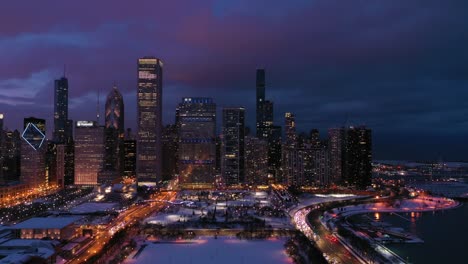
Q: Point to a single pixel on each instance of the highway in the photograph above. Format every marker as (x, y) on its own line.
(133, 214)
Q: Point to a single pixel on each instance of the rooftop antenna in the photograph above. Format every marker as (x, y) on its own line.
(97, 109)
(346, 121)
(64, 69)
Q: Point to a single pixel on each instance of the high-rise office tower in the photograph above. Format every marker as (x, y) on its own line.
(60, 165)
(149, 114)
(321, 165)
(264, 108)
(357, 169)
(266, 124)
(274, 153)
(197, 147)
(89, 152)
(11, 156)
(114, 114)
(266, 130)
(60, 110)
(170, 143)
(130, 148)
(114, 134)
(69, 174)
(232, 147)
(256, 161)
(51, 163)
(292, 157)
(336, 148)
(315, 138)
(290, 127)
(260, 86)
(33, 149)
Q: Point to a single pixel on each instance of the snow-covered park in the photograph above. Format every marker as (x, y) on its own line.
(209, 250)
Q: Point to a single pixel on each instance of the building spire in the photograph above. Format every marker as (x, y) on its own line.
(64, 70)
(97, 108)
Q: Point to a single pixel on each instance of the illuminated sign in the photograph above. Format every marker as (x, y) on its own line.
(33, 136)
(84, 123)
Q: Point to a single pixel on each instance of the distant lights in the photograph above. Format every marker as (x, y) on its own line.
(84, 123)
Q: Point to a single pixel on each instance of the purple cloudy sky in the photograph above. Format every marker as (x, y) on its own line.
(399, 66)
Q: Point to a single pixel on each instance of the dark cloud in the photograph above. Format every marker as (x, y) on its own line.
(396, 66)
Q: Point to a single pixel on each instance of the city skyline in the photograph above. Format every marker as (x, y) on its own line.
(233, 131)
(380, 80)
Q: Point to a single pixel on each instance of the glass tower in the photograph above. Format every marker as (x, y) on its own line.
(114, 132)
(232, 150)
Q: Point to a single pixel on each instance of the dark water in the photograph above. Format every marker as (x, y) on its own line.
(445, 235)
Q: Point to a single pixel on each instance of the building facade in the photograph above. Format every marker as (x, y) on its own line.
(33, 150)
(149, 115)
(114, 134)
(197, 146)
(233, 146)
(89, 152)
(256, 161)
(130, 149)
(61, 111)
(336, 145)
(170, 144)
(357, 168)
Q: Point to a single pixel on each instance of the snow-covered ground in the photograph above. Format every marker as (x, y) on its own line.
(209, 250)
(91, 207)
(192, 209)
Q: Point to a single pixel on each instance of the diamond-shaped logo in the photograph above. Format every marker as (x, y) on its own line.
(33, 136)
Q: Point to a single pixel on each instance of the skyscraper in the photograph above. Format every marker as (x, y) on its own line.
(69, 174)
(60, 110)
(89, 152)
(114, 133)
(321, 165)
(292, 158)
(266, 130)
(274, 152)
(33, 149)
(232, 149)
(197, 147)
(260, 85)
(256, 161)
(129, 166)
(336, 148)
(357, 168)
(149, 114)
(115, 111)
(315, 138)
(170, 143)
(264, 108)
(11, 156)
(290, 127)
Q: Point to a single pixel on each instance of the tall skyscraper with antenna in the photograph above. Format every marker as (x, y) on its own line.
(61, 110)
